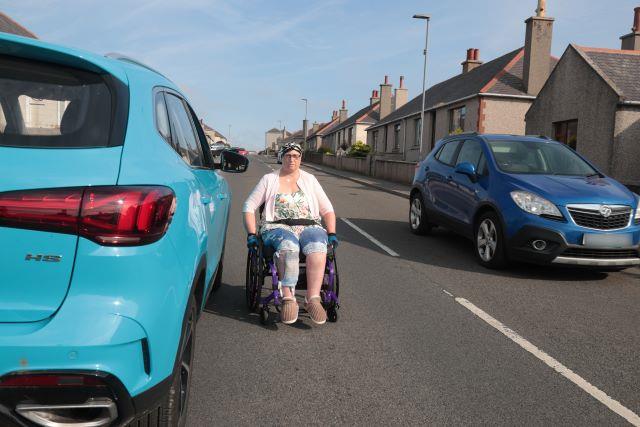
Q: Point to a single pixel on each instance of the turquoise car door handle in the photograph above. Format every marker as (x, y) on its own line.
(205, 200)
(222, 196)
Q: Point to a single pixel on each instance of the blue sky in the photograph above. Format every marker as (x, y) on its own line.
(247, 63)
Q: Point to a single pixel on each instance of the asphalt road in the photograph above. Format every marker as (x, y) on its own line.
(407, 349)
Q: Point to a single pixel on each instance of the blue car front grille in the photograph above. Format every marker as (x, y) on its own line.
(594, 219)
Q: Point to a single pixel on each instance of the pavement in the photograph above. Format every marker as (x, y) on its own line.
(401, 190)
(425, 336)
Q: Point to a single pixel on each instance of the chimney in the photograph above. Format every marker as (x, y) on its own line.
(472, 61)
(632, 40)
(315, 127)
(537, 50)
(401, 95)
(334, 115)
(374, 97)
(343, 112)
(385, 98)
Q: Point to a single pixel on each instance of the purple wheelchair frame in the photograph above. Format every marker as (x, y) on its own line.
(327, 292)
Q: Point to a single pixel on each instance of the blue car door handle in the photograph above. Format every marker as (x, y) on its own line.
(449, 178)
(205, 200)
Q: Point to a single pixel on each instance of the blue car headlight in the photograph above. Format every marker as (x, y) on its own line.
(535, 204)
(636, 218)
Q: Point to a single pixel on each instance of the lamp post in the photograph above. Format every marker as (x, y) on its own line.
(424, 77)
(305, 126)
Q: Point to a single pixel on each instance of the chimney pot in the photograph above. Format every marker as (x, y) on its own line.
(386, 80)
(469, 54)
(476, 54)
(636, 20)
(401, 82)
(344, 104)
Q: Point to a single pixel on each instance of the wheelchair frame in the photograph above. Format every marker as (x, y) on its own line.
(261, 265)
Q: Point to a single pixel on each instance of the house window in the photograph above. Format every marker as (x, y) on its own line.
(456, 119)
(566, 132)
(418, 128)
(396, 137)
(350, 136)
(375, 140)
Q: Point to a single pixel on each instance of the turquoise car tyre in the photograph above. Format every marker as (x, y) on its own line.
(175, 405)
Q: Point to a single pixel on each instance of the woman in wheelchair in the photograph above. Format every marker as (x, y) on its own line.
(294, 202)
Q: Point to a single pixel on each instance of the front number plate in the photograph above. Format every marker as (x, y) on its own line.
(608, 241)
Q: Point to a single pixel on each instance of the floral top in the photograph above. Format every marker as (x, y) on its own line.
(289, 206)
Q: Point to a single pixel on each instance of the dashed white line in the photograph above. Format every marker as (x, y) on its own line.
(447, 292)
(371, 238)
(596, 393)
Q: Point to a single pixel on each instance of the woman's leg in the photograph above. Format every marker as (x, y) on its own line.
(313, 241)
(286, 258)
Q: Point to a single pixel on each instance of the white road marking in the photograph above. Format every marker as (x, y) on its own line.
(447, 292)
(371, 238)
(596, 393)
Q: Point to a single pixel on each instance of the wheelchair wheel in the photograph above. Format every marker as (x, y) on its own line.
(253, 276)
(331, 306)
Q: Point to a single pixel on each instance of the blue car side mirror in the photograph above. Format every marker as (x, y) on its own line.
(468, 169)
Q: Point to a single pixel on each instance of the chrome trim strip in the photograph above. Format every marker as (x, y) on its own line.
(596, 261)
(34, 413)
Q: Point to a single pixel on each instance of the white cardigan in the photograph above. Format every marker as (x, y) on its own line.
(266, 190)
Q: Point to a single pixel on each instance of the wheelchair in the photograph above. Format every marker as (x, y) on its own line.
(261, 268)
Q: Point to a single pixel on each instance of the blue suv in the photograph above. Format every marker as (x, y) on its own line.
(112, 222)
(528, 199)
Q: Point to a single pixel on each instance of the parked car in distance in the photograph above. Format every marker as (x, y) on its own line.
(113, 216)
(528, 199)
(239, 150)
(217, 148)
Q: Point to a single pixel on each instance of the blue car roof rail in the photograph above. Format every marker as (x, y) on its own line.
(125, 58)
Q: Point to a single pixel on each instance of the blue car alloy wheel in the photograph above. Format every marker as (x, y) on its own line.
(116, 212)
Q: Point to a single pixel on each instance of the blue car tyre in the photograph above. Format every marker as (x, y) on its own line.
(490, 242)
(418, 221)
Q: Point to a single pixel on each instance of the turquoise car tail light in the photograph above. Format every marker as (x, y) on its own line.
(111, 216)
(49, 209)
(123, 216)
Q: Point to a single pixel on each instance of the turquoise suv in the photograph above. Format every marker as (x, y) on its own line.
(113, 217)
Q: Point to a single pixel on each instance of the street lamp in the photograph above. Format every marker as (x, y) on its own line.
(305, 126)
(424, 77)
(306, 101)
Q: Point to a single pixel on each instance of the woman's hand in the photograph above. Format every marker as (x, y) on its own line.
(333, 240)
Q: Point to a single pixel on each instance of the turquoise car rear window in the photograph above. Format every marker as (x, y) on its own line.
(50, 106)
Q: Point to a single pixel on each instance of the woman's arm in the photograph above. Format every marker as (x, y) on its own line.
(329, 219)
(250, 222)
(255, 199)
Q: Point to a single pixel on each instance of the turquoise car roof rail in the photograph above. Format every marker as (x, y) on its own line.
(130, 60)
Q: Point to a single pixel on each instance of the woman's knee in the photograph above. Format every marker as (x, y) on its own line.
(313, 240)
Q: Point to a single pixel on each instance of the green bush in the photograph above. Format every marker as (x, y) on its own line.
(324, 150)
(359, 149)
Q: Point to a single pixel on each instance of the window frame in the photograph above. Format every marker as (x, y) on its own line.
(565, 133)
(462, 118)
(397, 128)
(455, 153)
(189, 112)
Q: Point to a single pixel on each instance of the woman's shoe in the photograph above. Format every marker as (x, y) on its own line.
(289, 311)
(316, 310)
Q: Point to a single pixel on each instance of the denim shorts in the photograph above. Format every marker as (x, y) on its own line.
(311, 240)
